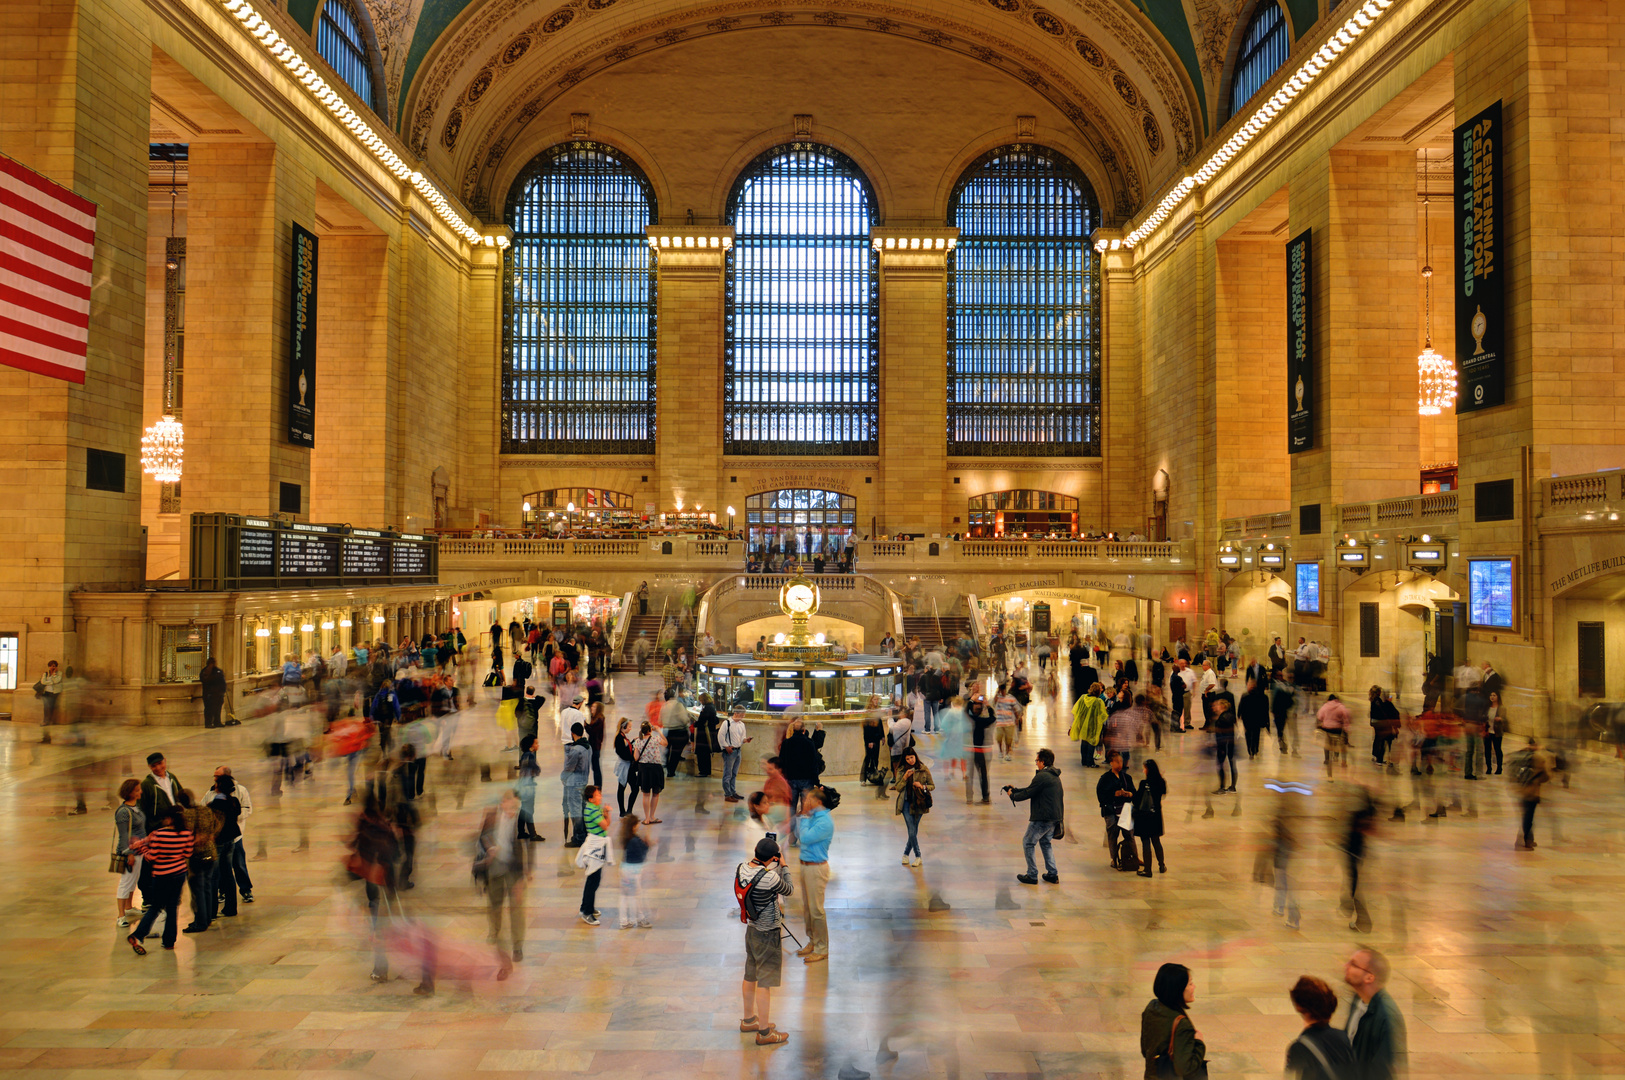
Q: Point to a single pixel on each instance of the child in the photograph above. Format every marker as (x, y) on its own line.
(635, 850)
(594, 853)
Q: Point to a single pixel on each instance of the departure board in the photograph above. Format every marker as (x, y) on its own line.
(230, 551)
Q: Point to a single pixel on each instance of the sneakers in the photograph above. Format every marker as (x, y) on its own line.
(627, 925)
(645, 924)
(1027, 879)
(905, 860)
(1053, 879)
(589, 918)
(918, 861)
(122, 920)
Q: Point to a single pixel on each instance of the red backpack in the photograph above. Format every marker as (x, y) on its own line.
(742, 892)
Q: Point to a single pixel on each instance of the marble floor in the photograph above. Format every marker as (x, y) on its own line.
(1502, 959)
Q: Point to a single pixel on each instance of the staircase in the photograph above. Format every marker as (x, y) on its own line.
(924, 627)
(649, 625)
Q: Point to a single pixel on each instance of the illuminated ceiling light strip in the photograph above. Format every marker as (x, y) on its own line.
(1357, 24)
(280, 50)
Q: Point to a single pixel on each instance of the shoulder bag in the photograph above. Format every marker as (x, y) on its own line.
(1164, 1062)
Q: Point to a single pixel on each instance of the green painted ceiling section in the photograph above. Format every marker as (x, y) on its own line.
(1303, 14)
(432, 22)
(1168, 16)
(304, 13)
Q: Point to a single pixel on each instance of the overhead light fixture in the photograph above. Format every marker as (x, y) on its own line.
(1435, 375)
(1266, 114)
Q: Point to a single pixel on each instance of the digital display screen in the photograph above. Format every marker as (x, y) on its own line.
(410, 559)
(256, 553)
(307, 556)
(366, 558)
(782, 697)
(1306, 595)
(1490, 599)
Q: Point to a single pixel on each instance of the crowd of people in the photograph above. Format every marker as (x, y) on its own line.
(384, 711)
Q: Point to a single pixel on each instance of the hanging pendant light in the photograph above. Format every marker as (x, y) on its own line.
(163, 444)
(1435, 374)
(162, 448)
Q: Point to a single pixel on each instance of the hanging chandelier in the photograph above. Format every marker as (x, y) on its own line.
(161, 450)
(1435, 374)
(162, 445)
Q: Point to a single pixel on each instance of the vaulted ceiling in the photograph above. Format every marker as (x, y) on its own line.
(1137, 79)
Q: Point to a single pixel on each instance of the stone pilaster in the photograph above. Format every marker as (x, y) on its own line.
(688, 365)
(914, 379)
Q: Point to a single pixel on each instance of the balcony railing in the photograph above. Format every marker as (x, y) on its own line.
(466, 553)
(1390, 513)
(1258, 525)
(1586, 493)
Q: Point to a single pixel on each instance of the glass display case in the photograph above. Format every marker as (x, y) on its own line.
(822, 688)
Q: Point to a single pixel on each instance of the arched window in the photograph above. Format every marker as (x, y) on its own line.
(1023, 512)
(799, 521)
(1264, 46)
(801, 359)
(1024, 308)
(578, 328)
(343, 45)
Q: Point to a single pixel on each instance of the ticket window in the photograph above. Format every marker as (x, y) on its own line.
(746, 693)
(824, 695)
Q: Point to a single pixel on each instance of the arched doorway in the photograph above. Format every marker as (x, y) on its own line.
(800, 522)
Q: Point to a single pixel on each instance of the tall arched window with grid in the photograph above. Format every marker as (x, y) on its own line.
(341, 42)
(801, 355)
(1024, 308)
(578, 328)
(1264, 48)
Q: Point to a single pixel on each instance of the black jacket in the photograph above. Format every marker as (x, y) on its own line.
(1148, 808)
(799, 758)
(1302, 1063)
(1044, 794)
(1255, 710)
(1106, 789)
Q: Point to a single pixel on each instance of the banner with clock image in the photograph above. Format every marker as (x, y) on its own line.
(1300, 346)
(302, 341)
(1480, 263)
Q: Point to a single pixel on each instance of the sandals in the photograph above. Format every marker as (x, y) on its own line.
(653, 821)
(771, 1037)
(135, 943)
(749, 1023)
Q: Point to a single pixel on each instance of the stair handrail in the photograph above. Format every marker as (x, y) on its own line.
(978, 625)
(623, 625)
(937, 616)
(660, 628)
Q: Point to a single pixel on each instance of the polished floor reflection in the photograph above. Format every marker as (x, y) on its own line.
(1502, 958)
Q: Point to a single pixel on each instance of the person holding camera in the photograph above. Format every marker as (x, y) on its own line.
(1044, 814)
(759, 884)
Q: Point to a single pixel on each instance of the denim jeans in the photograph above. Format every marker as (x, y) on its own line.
(200, 879)
(730, 772)
(1038, 833)
(239, 866)
(913, 824)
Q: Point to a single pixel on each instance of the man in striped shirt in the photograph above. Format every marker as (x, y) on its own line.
(594, 851)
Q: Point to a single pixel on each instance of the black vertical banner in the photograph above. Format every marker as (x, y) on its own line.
(302, 341)
(1300, 347)
(1480, 263)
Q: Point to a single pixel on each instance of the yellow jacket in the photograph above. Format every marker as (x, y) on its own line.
(1088, 719)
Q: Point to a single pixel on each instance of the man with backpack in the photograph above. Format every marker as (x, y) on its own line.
(1531, 768)
(758, 885)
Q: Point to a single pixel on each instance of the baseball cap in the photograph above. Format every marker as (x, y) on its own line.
(577, 700)
(766, 849)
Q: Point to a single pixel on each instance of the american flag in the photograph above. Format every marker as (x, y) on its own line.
(47, 243)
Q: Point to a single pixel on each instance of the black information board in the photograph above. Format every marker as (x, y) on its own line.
(231, 551)
(1300, 345)
(1480, 263)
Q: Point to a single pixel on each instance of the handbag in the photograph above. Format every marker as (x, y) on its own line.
(116, 863)
(39, 689)
(1060, 830)
(1165, 1062)
(1125, 817)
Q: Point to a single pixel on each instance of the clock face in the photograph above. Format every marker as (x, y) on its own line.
(799, 598)
(1480, 324)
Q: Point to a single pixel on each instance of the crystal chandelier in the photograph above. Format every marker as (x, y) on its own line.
(1435, 374)
(162, 443)
(161, 450)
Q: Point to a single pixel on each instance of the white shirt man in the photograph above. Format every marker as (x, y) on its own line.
(572, 714)
(337, 664)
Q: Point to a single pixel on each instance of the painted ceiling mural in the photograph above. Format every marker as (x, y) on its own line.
(1138, 78)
